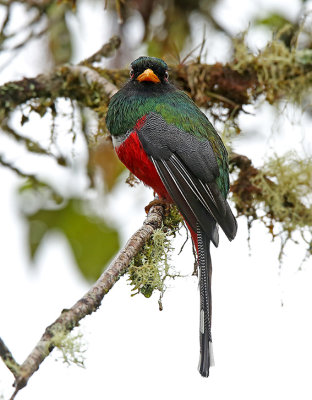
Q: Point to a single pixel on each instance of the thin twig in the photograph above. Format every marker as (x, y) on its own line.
(91, 301)
(107, 50)
(8, 359)
(32, 146)
(222, 98)
(5, 22)
(20, 173)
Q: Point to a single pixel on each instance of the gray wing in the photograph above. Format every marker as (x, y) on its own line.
(188, 169)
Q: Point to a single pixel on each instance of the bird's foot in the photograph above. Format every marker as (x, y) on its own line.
(159, 202)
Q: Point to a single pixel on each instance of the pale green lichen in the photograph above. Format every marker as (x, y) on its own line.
(289, 201)
(282, 72)
(71, 346)
(285, 185)
(149, 270)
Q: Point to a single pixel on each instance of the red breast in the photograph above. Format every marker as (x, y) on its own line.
(132, 155)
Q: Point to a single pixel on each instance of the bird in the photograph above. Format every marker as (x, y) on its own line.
(167, 142)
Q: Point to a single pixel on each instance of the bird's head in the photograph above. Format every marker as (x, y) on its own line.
(149, 69)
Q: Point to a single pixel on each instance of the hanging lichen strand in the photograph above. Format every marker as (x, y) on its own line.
(150, 269)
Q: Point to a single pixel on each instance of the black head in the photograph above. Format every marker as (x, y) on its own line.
(149, 69)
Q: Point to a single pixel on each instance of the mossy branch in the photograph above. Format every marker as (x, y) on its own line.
(277, 72)
(275, 195)
(88, 304)
(92, 87)
(80, 82)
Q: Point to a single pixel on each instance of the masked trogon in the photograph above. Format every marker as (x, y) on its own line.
(165, 140)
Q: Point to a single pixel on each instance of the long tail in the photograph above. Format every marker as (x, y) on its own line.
(205, 270)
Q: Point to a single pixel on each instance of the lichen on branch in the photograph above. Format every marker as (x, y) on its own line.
(278, 194)
(71, 346)
(150, 268)
(281, 72)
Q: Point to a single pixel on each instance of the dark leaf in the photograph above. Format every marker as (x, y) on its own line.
(105, 158)
(93, 242)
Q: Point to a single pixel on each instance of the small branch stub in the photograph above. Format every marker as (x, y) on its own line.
(8, 359)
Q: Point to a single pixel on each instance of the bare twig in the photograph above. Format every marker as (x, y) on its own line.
(107, 50)
(20, 173)
(5, 22)
(90, 302)
(32, 146)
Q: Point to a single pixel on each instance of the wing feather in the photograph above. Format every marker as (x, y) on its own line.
(175, 192)
(186, 198)
(188, 169)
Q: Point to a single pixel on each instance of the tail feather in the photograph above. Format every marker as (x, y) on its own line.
(205, 270)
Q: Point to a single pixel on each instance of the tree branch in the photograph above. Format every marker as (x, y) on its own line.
(92, 78)
(8, 359)
(92, 87)
(89, 303)
(276, 73)
(258, 197)
(106, 50)
(80, 82)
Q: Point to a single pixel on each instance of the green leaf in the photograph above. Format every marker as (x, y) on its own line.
(273, 21)
(93, 242)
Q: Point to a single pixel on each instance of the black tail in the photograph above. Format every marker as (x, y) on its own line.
(205, 270)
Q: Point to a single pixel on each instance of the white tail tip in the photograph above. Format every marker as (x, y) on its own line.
(211, 356)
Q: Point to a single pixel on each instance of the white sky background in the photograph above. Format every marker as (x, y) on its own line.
(262, 324)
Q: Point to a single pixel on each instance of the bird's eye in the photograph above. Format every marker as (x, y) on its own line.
(166, 76)
(131, 73)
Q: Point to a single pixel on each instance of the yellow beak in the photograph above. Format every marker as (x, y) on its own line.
(148, 75)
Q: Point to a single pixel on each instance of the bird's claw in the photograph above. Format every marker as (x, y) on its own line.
(158, 202)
